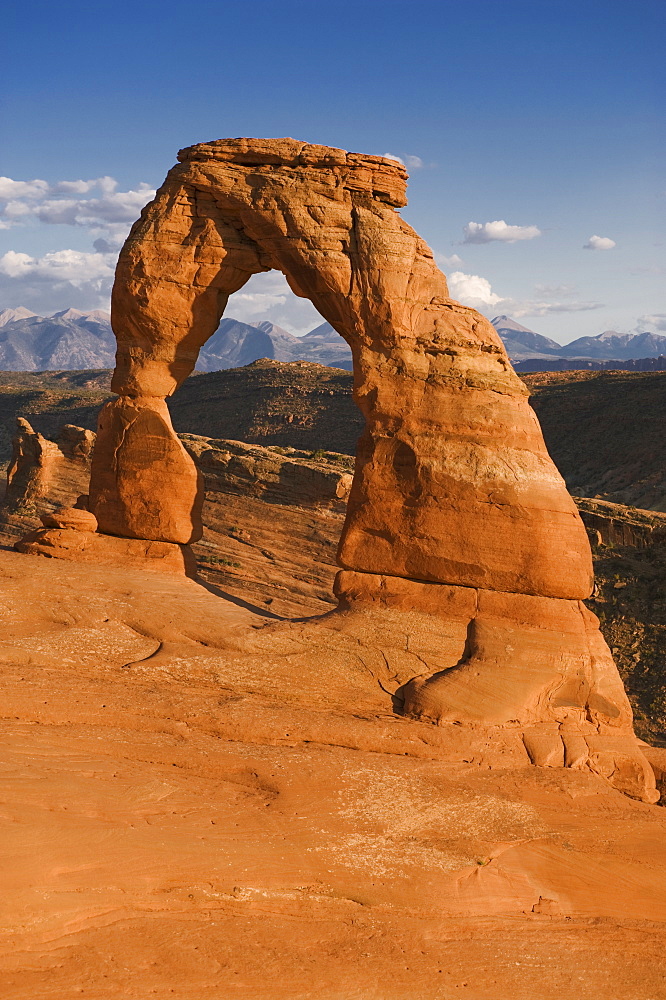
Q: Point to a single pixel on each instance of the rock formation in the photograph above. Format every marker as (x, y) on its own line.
(456, 511)
(453, 482)
(30, 470)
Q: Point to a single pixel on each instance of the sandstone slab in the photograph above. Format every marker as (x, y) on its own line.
(81, 544)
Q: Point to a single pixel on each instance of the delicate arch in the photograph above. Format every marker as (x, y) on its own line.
(459, 529)
(453, 482)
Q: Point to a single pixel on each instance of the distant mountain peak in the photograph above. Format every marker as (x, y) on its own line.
(522, 343)
(74, 315)
(276, 333)
(69, 313)
(508, 323)
(612, 335)
(11, 315)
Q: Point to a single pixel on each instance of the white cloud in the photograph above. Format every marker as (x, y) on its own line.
(555, 291)
(599, 243)
(472, 290)
(413, 162)
(73, 187)
(10, 189)
(498, 231)
(443, 261)
(536, 308)
(16, 208)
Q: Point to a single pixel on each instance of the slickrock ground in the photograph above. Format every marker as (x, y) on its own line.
(464, 567)
(178, 824)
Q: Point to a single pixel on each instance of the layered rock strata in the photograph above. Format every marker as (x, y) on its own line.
(453, 487)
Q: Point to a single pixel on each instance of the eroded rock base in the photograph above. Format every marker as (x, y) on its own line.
(109, 550)
(513, 660)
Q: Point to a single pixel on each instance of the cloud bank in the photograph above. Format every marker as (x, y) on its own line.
(656, 320)
(66, 277)
(56, 280)
(55, 204)
(411, 162)
(475, 291)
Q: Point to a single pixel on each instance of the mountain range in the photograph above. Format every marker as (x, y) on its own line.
(522, 344)
(74, 340)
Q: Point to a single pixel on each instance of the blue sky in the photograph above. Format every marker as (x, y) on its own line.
(546, 116)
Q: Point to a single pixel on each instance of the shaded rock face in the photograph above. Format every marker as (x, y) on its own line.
(453, 484)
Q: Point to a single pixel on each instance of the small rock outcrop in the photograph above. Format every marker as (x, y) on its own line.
(76, 443)
(277, 475)
(30, 470)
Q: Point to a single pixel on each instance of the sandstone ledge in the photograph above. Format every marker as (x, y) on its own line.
(109, 550)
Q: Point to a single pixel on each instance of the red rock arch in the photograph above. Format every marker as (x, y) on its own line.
(453, 481)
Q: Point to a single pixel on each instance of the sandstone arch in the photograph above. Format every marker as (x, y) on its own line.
(456, 510)
(454, 483)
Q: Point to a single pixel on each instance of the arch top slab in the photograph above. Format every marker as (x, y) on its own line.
(383, 178)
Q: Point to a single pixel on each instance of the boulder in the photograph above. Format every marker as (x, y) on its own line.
(70, 517)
